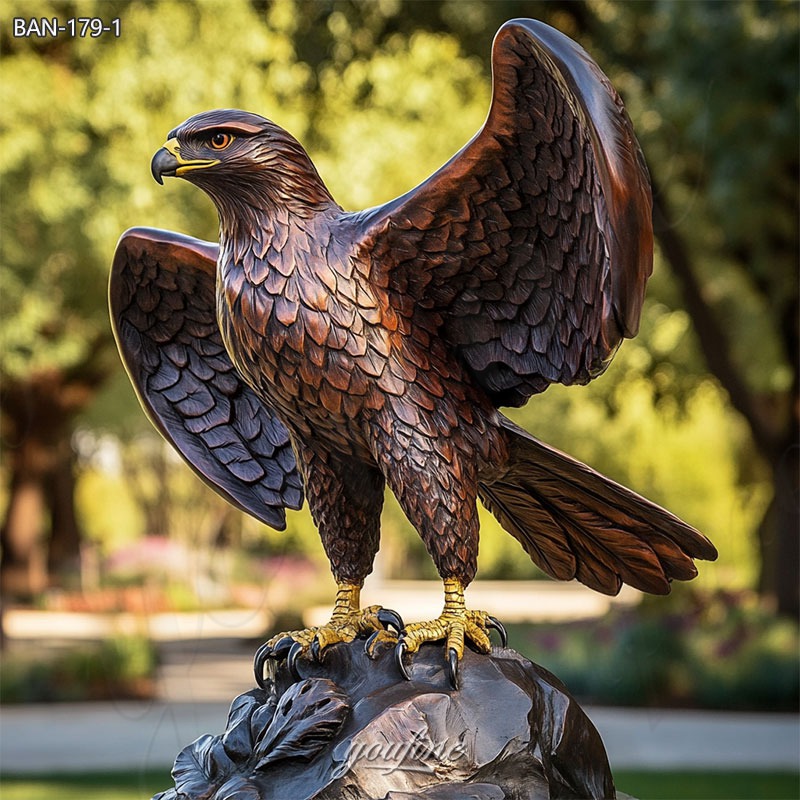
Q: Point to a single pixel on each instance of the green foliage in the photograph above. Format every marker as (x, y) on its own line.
(379, 129)
(717, 651)
(116, 669)
(382, 93)
(111, 517)
(713, 90)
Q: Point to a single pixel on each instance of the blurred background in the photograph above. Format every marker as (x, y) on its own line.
(699, 413)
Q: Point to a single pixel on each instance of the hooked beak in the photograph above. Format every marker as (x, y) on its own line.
(168, 162)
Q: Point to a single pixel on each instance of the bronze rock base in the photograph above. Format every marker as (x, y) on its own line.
(352, 728)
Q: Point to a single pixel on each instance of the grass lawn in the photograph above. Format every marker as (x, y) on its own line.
(641, 785)
(85, 786)
(709, 785)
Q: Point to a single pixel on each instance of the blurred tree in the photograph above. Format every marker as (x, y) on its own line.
(81, 119)
(715, 88)
(54, 343)
(382, 93)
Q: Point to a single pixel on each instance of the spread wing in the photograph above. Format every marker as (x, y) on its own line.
(534, 242)
(162, 299)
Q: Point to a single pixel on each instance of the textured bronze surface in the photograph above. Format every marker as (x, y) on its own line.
(379, 344)
(346, 729)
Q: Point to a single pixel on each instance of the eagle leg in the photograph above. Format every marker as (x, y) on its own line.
(456, 625)
(348, 621)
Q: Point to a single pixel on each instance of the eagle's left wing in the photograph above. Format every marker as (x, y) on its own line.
(163, 311)
(535, 241)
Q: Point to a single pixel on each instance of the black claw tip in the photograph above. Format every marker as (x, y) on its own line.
(500, 628)
(259, 662)
(368, 645)
(452, 667)
(281, 648)
(398, 657)
(316, 653)
(291, 660)
(388, 617)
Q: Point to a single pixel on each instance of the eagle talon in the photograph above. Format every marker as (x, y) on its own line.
(495, 624)
(452, 667)
(275, 650)
(259, 662)
(315, 651)
(348, 621)
(380, 635)
(399, 651)
(457, 626)
(281, 648)
(388, 618)
(368, 645)
(291, 660)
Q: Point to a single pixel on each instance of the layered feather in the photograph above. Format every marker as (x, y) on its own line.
(535, 241)
(575, 523)
(162, 301)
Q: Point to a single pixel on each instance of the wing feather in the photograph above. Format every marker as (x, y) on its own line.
(162, 299)
(576, 523)
(534, 242)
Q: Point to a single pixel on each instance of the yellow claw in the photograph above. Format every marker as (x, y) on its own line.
(456, 624)
(347, 622)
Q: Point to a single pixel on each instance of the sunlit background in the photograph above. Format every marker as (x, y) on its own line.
(699, 413)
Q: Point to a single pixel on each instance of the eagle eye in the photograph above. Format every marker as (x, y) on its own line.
(219, 141)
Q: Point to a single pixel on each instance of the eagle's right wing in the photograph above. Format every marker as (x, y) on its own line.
(534, 243)
(162, 301)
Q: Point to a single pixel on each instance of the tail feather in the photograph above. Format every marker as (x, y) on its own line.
(575, 523)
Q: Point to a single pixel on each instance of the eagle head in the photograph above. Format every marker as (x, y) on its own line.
(241, 160)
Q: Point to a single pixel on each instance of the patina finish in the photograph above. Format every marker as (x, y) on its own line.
(346, 729)
(341, 352)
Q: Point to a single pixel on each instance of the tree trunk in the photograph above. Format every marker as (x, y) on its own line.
(64, 553)
(23, 567)
(779, 539)
(37, 419)
(775, 433)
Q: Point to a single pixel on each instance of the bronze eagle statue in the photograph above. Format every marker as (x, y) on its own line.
(322, 353)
